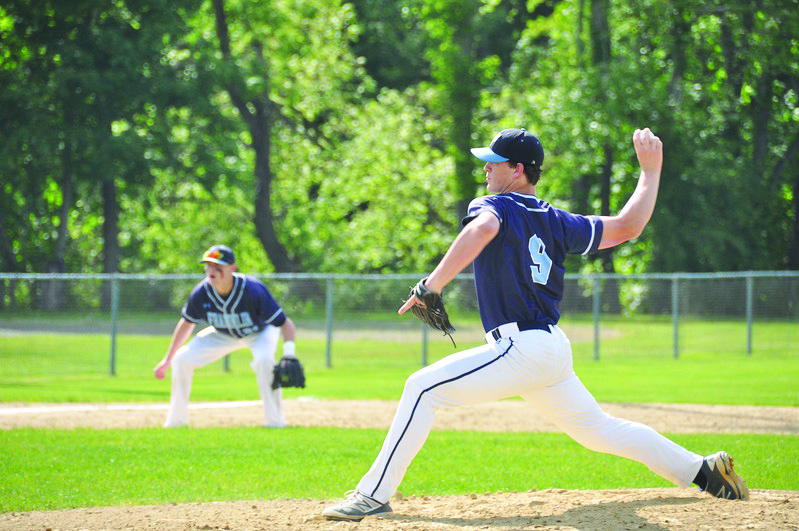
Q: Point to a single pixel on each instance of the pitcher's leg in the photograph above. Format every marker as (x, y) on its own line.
(263, 347)
(470, 377)
(207, 346)
(570, 406)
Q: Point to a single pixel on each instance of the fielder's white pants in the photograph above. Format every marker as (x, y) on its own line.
(209, 345)
(536, 365)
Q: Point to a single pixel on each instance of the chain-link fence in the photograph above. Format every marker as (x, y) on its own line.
(604, 314)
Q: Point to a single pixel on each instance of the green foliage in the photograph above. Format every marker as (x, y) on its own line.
(370, 107)
(375, 204)
(680, 69)
(59, 469)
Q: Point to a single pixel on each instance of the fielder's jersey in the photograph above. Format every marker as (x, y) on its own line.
(519, 275)
(248, 308)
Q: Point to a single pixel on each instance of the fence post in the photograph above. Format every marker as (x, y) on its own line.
(329, 322)
(749, 292)
(596, 306)
(675, 314)
(114, 309)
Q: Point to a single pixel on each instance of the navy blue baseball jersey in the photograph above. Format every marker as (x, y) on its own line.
(519, 274)
(248, 308)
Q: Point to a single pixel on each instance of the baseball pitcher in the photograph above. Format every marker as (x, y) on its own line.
(518, 243)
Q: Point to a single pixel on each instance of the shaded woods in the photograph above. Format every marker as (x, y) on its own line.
(317, 135)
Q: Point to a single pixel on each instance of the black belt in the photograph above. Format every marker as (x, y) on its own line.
(496, 333)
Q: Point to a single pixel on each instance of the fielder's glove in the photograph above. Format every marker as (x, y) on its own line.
(432, 313)
(288, 373)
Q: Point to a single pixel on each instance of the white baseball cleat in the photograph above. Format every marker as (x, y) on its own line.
(355, 508)
(722, 481)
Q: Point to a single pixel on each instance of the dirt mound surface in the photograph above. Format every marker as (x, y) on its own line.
(648, 509)
(506, 415)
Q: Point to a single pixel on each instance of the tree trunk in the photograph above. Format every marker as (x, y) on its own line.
(257, 114)
(6, 248)
(793, 247)
(761, 115)
(264, 219)
(55, 290)
(680, 30)
(110, 236)
(600, 42)
(10, 265)
(601, 55)
(463, 101)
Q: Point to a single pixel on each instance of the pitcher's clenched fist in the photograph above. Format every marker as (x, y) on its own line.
(649, 149)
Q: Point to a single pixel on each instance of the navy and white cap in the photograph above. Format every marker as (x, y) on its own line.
(512, 144)
(219, 254)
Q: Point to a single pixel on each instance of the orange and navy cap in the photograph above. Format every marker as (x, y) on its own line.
(219, 254)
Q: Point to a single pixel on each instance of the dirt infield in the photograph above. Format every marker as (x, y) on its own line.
(552, 509)
(507, 415)
(650, 509)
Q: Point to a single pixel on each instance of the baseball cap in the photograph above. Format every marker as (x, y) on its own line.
(219, 254)
(512, 144)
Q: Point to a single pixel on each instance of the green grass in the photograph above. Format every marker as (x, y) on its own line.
(54, 469)
(74, 368)
(51, 469)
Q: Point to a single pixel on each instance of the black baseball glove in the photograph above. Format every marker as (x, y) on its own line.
(288, 373)
(432, 312)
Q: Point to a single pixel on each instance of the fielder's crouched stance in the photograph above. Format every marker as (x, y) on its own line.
(518, 244)
(242, 314)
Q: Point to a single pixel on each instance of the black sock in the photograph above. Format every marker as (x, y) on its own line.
(701, 480)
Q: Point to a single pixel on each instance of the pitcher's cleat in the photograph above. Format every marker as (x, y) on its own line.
(722, 481)
(355, 508)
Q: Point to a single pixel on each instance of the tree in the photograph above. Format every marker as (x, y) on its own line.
(288, 64)
(82, 75)
(675, 68)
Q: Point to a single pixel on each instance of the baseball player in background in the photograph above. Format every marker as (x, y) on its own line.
(518, 244)
(242, 314)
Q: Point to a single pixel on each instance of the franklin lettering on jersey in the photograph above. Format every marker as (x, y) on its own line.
(242, 314)
(248, 308)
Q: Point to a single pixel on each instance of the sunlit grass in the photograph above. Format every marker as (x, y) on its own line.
(53, 469)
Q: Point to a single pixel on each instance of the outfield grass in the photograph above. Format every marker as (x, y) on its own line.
(54, 469)
(74, 368)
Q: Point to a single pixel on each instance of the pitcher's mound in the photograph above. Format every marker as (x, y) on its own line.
(653, 509)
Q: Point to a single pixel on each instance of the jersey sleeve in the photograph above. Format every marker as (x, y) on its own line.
(486, 203)
(268, 308)
(193, 311)
(583, 233)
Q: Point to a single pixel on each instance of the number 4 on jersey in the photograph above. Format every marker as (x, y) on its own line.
(542, 263)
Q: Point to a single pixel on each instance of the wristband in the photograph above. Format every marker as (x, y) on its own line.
(288, 349)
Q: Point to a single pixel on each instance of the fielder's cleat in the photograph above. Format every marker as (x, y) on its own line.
(355, 508)
(722, 481)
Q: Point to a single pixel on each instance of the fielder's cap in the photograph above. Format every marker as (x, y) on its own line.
(219, 254)
(512, 144)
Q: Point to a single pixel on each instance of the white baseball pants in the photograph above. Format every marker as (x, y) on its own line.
(209, 345)
(536, 365)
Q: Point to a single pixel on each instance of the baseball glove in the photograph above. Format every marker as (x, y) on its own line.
(288, 373)
(431, 311)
